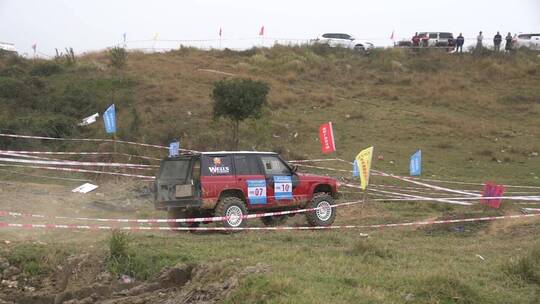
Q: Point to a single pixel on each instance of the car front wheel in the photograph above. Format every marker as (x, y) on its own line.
(325, 214)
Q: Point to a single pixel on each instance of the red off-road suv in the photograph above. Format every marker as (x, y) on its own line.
(233, 184)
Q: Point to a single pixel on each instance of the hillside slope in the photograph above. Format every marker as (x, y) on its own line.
(473, 116)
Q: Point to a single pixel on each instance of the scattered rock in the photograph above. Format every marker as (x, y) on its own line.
(10, 284)
(11, 271)
(29, 288)
(4, 263)
(125, 279)
(409, 297)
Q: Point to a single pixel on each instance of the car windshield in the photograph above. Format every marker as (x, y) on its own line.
(174, 169)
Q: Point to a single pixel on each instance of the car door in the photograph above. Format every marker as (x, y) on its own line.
(280, 181)
(217, 175)
(251, 179)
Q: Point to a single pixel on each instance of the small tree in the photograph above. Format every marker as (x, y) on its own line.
(239, 99)
(118, 57)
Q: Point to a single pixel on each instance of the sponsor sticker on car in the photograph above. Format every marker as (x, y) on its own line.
(256, 191)
(283, 187)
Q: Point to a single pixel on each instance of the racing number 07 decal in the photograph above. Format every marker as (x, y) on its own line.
(283, 187)
(256, 191)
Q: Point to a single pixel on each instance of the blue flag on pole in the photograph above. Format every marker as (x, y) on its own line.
(355, 170)
(174, 148)
(416, 163)
(109, 118)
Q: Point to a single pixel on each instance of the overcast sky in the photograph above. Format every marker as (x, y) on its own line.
(97, 24)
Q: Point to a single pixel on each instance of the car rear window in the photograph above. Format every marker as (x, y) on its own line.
(524, 36)
(216, 165)
(174, 169)
(336, 36)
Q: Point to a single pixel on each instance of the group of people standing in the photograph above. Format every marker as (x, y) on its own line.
(457, 43)
(497, 41)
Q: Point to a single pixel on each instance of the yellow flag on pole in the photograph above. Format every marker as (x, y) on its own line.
(363, 159)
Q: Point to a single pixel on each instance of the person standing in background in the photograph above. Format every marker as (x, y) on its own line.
(508, 45)
(479, 40)
(416, 40)
(497, 42)
(459, 43)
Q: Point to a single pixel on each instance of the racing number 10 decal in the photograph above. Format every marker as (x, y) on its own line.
(283, 187)
(256, 191)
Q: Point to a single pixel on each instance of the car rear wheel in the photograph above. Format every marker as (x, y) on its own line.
(273, 221)
(177, 213)
(234, 209)
(325, 215)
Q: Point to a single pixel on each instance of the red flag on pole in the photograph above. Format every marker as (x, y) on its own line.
(261, 32)
(326, 136)
(34, 46)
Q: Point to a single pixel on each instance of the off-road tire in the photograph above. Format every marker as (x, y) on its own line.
(176, 213)
(321, 217)
(273, 221)
(231, 205)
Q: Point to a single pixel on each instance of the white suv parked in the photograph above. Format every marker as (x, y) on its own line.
(344, 41)
(531, 41)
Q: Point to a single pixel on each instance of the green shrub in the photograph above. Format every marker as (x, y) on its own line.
(11, 88)
(35, 259)
(118, 245)
(138, 260)
(118, 57)
(46, 68)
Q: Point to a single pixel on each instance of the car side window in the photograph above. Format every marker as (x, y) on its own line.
(216, 165)
(247, 165)
(274, 166)
(432, 35)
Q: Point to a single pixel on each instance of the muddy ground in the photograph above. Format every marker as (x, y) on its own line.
(84, 278)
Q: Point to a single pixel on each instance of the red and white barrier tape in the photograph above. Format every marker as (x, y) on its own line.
(78, 153)
(408, 195)
(180, 220)
(79, 170)
(49, 177)
(160, 228)
(418, 178)
(85, 139)
(77, 163)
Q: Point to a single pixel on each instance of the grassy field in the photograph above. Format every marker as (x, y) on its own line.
(474, 117)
